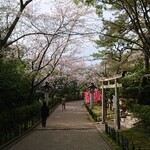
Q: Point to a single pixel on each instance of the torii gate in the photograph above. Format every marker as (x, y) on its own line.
(117, 108)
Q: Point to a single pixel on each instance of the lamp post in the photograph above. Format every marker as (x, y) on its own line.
(92, 87)
(46, 87)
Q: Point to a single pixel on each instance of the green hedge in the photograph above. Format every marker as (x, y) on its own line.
(12, 118)
(92, 114)
(19, 115)
(53, 102)
(142, 112)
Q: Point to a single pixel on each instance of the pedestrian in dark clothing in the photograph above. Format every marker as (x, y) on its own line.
(44, 113)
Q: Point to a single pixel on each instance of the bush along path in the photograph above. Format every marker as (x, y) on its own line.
(92, 114)
(15, 123)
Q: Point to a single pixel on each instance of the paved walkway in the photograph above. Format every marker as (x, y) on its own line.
(65, 130)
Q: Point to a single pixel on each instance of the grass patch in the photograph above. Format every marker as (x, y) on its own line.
(97, 109)
(139, 135)
(110, 141)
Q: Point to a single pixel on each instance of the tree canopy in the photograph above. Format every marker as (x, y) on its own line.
(43, 42)
(128, 28)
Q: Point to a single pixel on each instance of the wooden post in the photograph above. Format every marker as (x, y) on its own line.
(103, 104)
(117, 109)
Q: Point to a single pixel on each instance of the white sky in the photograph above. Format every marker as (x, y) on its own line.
(90, 47)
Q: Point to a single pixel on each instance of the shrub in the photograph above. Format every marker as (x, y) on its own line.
(15, 84)
(142, 112)
(19, 115)
(53, 102)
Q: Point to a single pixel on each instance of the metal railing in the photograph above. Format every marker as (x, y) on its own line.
(9, 135)
(121, 140)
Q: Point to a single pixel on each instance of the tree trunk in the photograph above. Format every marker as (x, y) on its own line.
(146, 62)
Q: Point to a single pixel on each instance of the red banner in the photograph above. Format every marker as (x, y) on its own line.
(97, 96)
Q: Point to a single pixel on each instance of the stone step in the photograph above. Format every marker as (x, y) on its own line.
(126, 125)
(129, 117)
(129, 126)
(135, 119)
(122, 119)
(128, 122)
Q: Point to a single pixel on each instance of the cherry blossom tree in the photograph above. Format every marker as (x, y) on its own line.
(43, 39)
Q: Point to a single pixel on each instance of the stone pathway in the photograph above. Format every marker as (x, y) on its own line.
(70, 129)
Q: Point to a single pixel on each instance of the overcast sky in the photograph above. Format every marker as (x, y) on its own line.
(89, 47)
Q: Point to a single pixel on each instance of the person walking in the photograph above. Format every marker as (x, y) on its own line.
(63, 103)
(44, 113)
